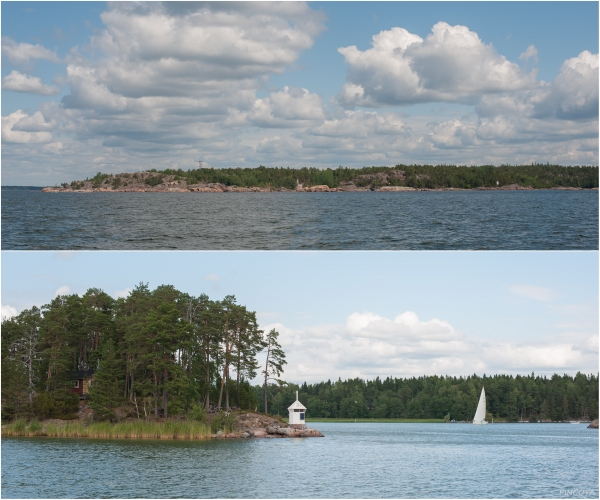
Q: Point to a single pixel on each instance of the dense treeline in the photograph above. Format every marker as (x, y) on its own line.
(419, 176)
(508, 398)
(162, 352)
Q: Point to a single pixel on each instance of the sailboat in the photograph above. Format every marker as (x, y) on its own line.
(479, 418)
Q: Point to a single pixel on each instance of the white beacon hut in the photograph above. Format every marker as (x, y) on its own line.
(297, 411)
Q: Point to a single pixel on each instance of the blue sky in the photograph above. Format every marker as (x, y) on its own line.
(112, 87)
(364, 313)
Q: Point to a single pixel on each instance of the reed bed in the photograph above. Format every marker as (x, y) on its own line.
(169, 429)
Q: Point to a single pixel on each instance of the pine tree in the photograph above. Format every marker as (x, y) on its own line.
(105, 393)
(274, 362)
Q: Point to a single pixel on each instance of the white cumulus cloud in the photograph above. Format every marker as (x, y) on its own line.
(122, 293)
(11, 131)
(8, 311)
(530, 53)
(369, 345)
(18, 53)
(20, 82)
(450, 64)
(63, 290)
(290, 107)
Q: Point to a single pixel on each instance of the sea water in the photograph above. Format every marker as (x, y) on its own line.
(457, 220)
(352, 461)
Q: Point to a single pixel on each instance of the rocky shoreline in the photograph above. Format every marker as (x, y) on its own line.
(255, 425)
(153, 182)
(222, 188)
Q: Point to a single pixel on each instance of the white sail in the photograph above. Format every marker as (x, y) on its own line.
(479, 417)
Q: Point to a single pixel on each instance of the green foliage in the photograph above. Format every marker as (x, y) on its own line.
(418, 176)
(59, 404)
(14, 389)
(154, 180)
(223, 421)
(197, 413)
(116, 183)
(35, 426)
(156, 351)
(273, 365)
(20, 425)
(98, 179)
(508, 398)
(105, 391)
(537, 176)
(20, 362)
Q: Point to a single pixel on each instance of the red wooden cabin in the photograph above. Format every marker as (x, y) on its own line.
(82, 379)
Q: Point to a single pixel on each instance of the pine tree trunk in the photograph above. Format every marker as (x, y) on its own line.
(155, 395)
(267, 378)
(226, 361)
(227, 392)
(238, 383)
(221, 392)
(207, 381)
(131, 392)
(165, 402)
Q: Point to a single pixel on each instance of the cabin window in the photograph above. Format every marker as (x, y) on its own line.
(301, 416)
(76, 384)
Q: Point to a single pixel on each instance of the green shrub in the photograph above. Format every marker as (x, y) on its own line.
(35, 426)
(154, 180)
(198, 413)
(20, 425)
(98, 179)
(60, 404)
(223, 421)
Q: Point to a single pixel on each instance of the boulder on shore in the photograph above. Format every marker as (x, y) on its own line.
(593, 424)
(321, 188)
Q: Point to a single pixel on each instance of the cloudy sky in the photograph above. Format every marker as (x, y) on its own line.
(90, 87)
(364, 314)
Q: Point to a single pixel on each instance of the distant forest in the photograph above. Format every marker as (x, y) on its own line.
(537, 176)
(510, 398)
(161, 353)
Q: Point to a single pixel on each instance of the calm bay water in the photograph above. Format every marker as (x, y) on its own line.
(492, 220)
(353, 460)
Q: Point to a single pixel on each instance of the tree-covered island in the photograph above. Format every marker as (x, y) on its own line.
(163, 363)
(398, 178)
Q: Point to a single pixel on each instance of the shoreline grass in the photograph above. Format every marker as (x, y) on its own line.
(106, 430)
(379, 420)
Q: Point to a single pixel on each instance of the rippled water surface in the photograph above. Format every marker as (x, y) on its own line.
(352, 460)
(355, 221)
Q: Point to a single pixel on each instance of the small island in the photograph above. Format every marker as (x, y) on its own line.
(158, 364)
(400, 178)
